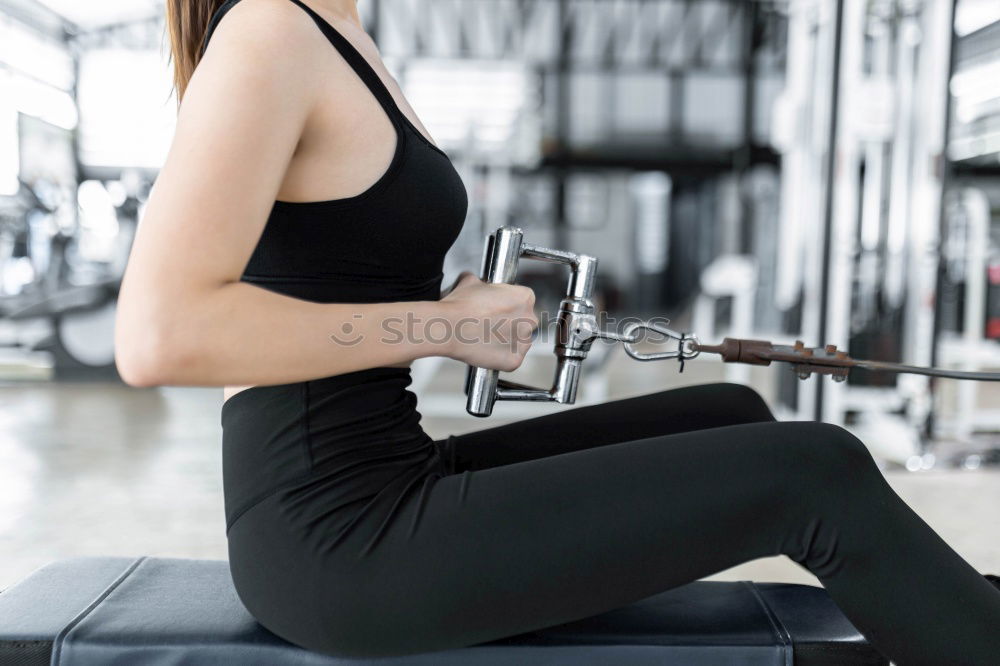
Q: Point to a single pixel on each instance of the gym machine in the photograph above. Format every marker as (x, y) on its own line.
(577, 328)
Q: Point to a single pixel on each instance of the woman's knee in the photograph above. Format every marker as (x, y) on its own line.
(826, 456)
(745, 403)
(840, 449)
(832, 492)
(714, 404)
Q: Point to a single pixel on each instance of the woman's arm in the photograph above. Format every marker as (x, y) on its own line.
(184, 317)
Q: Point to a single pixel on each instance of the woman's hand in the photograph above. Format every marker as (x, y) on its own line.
(492, 324)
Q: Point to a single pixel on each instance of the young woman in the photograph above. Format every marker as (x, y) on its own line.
(301, 209)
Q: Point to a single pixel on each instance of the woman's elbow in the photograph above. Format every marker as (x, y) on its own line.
(145, 359)
(138, 375)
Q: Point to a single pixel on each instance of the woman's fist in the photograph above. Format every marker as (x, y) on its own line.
(492, 323)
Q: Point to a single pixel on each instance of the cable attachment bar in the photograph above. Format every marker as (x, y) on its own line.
(577, 326)
(826, 360)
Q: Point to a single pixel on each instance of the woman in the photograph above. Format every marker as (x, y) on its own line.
(302, 212)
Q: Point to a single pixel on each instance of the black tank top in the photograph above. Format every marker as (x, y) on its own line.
(330, 449)
(385, 244)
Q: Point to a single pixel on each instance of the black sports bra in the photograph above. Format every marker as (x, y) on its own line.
(385, 244)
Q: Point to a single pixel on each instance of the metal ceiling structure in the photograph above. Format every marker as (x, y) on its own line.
(665, 34)
(90, 15)
(64, 19)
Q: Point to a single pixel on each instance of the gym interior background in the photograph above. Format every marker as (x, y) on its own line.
(822, 170)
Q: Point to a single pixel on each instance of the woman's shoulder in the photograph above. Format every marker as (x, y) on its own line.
(263, 29)
(259, 50)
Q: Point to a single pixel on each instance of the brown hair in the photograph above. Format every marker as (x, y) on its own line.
(187, 21)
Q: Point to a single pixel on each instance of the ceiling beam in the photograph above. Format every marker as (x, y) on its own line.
(40, 18)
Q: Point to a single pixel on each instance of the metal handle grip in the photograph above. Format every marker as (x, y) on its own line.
(500, 259)
(577, 324)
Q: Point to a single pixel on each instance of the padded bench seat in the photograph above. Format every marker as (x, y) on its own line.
(147, 610)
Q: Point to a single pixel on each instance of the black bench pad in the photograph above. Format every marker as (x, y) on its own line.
(111, 610)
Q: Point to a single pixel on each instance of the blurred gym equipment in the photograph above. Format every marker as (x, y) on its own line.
(67, 294)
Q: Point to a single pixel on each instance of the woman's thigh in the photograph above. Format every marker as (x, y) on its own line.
(662, 413)
(485, 554)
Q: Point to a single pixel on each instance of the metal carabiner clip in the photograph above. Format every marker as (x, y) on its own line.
(685, 342)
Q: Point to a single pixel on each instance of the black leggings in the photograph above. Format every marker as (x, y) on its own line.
(572, 514)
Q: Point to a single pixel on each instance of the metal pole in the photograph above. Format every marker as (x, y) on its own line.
(946, 176)
(563, 117)
(744, 157)
(831, 165)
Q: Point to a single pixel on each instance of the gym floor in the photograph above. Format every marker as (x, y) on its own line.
(104, 469)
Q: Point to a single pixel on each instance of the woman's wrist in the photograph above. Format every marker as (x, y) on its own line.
(434, 328)
(454, 316)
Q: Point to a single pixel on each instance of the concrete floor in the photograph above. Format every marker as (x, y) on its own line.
(104, 469)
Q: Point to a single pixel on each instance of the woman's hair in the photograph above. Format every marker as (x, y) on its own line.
(187, 21)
